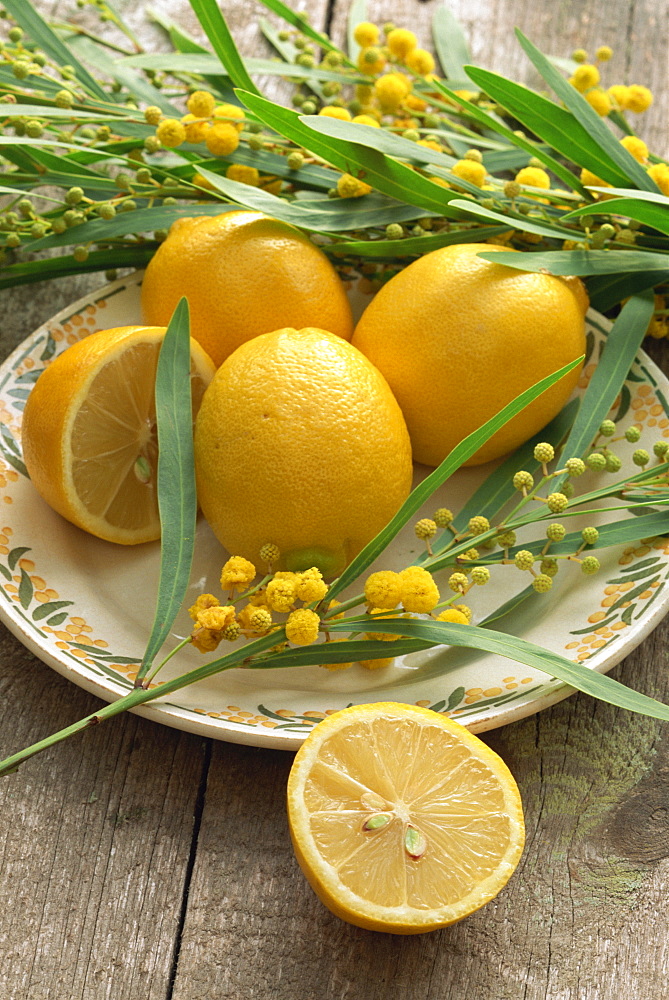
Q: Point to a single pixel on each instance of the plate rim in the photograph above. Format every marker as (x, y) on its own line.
(187, 719)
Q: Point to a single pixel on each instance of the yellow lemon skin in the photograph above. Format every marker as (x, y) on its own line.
(299, 442)
(89, 431)
(458, 337)
(419, 769)
(244, 274)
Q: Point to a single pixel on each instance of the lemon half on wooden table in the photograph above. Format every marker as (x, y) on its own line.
(401, 819)
(89, 431)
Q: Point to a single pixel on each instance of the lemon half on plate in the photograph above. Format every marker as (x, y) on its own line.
(401, 819)
(89, 431)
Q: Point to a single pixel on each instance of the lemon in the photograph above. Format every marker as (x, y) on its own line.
(401, 819)
(243, 274)
(89, 431)
(459, 337)
(300, 443)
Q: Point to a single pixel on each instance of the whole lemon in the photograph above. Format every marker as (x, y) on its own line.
(300, 442)
(458, 337)
(243, 274)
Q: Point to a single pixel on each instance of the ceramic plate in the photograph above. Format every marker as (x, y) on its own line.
(85, 606)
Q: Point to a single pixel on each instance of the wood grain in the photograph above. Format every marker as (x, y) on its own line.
(134, 866)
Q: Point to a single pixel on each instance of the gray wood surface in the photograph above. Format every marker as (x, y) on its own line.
(140, 863)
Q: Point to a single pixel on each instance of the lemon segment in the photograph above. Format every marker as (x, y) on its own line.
(401, 819)
(89, 431)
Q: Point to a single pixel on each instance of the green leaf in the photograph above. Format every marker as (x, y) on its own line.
(413, 245)
(607, 290)
(620, 350)
(450, 44)
(136, 84)
(550, 122)
(384, 173)
(489, 499)
(464, 450)
(583, 262)
(301, 22)
(356, 14)
(491, 122)
(575, 674)
(514, 220)
(177, 501)
(630, 529)
(25, 272)
(645, 212)
(588, 119)
(317, 215)
(141, 220)
(46, 39)
(213, 23)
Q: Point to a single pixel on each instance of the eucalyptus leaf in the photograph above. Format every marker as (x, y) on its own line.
(357, 13)
(177, 501)
(462, 451)
(27, 271)
(515, 221)
(46, 39)
(213, 23)
(581, 262)
(491, 122)
(588, 118)
(450, 43)
(576, 674)
(643, 211)
(383, 172)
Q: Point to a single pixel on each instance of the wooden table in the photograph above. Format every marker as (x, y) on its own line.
(141, 863)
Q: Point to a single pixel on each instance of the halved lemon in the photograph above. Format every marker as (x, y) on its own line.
(401, 819)
(89, 431)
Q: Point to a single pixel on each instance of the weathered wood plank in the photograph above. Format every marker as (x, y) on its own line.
(95, 840)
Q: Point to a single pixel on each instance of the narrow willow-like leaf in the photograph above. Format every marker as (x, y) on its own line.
(623, 532)
(645, 212)
(177, 501)
(620, 350)
(583, 262)
(515, 221)
(550, 122)
(575, 674)
(462, 451)
(376, 138)
(655, 196)
(607, 290)
(450, 44)
(301, 22)
(390, 249)
(383, 172)
(133, 82)
(356, 14)
(587, 117)
(493, 495)
(218, 33)
(491, 122)
(142, 220)
(46, 39)
(204, 64)
(315, 216)
(345, 650)
(25, 272)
